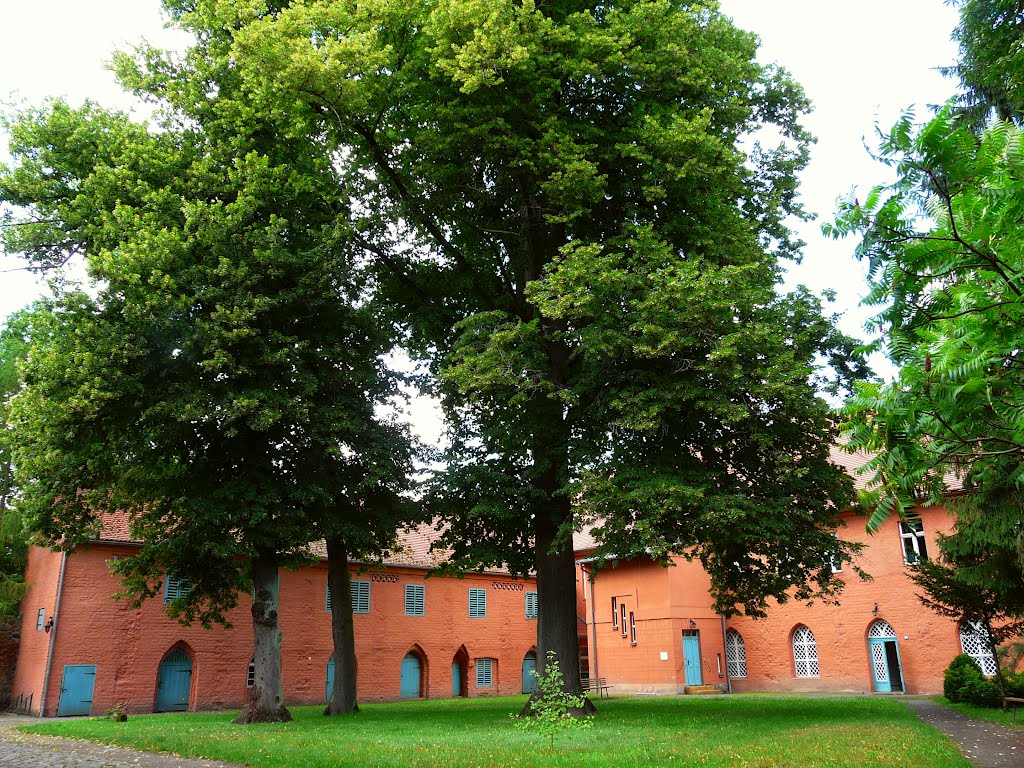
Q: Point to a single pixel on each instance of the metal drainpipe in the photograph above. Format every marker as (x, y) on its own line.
(53, 634)
(725, 648)
(593, 620)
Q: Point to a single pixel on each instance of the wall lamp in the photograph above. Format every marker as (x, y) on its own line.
(48, 625)
(693, 624)
(874, 610)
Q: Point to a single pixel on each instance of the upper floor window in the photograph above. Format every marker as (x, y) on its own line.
(415, 601)
(632, 628)
(360, 597)
(41, 618)
(912, 536)
(615, 613)
(805, 653)
(622, 618)
(478, 603)
(176, 586)
(531, 605)
(250, 677)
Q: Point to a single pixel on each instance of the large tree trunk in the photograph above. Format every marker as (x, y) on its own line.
(343, 698)
(266, 699)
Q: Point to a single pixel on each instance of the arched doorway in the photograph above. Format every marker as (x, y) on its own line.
(174, 681)
(460, 665)
(886, 670)
(411, 686)
(529, 667)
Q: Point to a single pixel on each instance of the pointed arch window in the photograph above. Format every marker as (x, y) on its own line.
(805, 653)
(735, 654)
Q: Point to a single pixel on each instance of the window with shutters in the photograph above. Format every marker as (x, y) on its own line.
(360, 597)
(415, 601)
(484, 673)
(478, 603)
(975, 641)
(735, 654)
(41, 618)
(176, 586)
(805, 653)
(531, 605)
(912, 537)
(250, 678)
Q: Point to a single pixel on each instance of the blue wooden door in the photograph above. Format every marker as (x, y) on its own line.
(174, 682)
(879, 666)
(76, 687)
(410, 685)
(456, 679)
(330, 679)
(691, 658)
(529, 666)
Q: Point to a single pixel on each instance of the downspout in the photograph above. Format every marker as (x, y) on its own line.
(53, 634)
(725, 647)
(593, 620)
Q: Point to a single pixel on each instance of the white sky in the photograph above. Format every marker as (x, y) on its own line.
(859, 62)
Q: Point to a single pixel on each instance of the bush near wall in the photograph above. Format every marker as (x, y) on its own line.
(9, 634)
(963, 682)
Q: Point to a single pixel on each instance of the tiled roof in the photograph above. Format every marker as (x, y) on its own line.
(413, 549)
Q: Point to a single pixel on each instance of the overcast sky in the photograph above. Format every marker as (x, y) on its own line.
(859, 62)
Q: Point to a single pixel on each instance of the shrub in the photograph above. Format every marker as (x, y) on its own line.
(982, 693)
(1014, 684)
(552, 710)
(961, 671)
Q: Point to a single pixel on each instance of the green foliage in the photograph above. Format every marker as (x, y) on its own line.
(991, 65)
(945, 255)
(1013, 684)
(551, 709)
(963, 682)
(563, 218)
(961, 671)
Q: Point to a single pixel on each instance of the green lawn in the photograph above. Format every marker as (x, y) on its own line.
(748, 731)
(992, 715)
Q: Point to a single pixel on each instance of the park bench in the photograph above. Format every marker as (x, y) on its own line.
(596, 685)
(1015, 701)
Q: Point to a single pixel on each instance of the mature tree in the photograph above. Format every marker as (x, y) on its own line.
(945, 254)
(13, 537)
(991, 65)
(945, 591)
(588, 260)
(220, 385)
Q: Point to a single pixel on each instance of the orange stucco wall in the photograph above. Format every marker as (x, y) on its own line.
(927, 642)
(666, 600)
(127, 645)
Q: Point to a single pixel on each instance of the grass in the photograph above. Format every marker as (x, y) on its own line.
(753, 732)
(992, 715)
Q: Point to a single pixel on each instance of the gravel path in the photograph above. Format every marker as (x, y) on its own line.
(23, 750)
(987, 745)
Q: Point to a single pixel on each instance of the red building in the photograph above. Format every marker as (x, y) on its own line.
(643, 628)
(82, 652)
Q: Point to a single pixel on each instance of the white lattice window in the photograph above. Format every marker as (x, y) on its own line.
(975, 641)
(805, 653)
(881, 629)
(735, 654)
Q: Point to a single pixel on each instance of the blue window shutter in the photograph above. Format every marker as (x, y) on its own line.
(484, 673)
(41, 619)
(477, 603)
(531, 605)
(176, 586)
(414, 599)
(360, 597)
(329, 606)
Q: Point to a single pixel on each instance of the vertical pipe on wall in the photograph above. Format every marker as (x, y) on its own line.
(53, 633)
(592, 634)
(725, 646)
